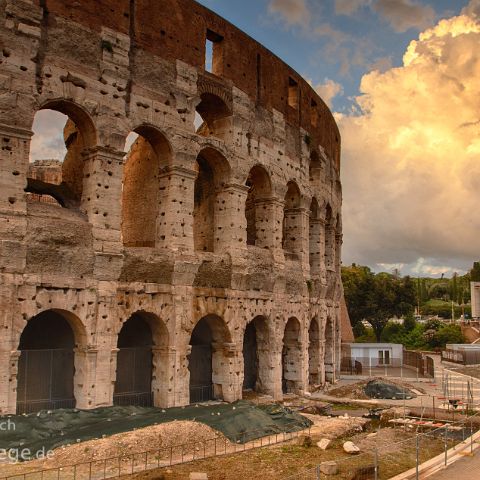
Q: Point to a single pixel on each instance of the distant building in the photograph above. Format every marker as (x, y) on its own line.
(375, 354)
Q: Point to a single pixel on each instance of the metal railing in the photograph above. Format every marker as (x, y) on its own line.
(439, 446)
(160, 457)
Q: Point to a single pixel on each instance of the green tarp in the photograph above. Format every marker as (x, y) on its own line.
(241, 421)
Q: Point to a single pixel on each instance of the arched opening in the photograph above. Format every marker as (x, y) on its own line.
(329, 237)
(257, 211)
(255, 354)
(62, 131)
(207, 360)
(46, 364)
(315, 172)
(314, 239)
(291, 357)
(329, 359)
(133, 383)
(314, 372)
(148, 153)
(209, 211)
(292, 222)
(213, 117)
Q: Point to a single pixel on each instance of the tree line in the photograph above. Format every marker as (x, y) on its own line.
(377, 298)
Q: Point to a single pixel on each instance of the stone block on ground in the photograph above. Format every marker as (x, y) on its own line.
(351, 448)
(198, 476)
(329, 468)
(324, 443)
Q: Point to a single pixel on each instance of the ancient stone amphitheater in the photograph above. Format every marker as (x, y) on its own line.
(202, 263)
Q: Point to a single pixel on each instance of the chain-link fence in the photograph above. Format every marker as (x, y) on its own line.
(429, 445)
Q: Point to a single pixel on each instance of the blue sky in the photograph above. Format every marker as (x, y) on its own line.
(356, 44)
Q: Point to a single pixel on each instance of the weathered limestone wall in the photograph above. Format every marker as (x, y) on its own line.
(126, 241)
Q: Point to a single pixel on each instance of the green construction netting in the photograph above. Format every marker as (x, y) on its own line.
(241, 422)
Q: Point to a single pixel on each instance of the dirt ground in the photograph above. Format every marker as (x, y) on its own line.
(283, 461)
(137, 441)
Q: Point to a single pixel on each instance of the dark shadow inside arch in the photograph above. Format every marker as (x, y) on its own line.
(291, 352)
(206, 357)
(46, 364)
(133, 384)
(329, 359)
(255, 354)
(314, 372)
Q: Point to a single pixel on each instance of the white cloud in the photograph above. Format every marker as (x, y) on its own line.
(405, 14)
(328, 90)
(47, 142)
(292, 12)
(411, 165)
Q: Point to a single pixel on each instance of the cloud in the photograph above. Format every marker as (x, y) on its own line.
(405, 14)
(349, 7)
(472, 9)
(292, 12)
(411, 155)
(328, 90)
(47, 142)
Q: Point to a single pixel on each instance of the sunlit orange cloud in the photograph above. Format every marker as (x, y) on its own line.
(411, 158)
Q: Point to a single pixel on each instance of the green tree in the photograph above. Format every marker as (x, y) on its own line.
(475, 272)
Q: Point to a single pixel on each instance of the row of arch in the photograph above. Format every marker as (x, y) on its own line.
(146, 181)
(50, 340)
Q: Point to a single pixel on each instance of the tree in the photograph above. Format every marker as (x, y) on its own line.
(475, 272)
(376, 298)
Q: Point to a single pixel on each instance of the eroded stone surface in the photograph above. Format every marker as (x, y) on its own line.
(237, 221)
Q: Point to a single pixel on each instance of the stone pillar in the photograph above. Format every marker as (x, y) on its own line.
(85, 384)
(8, 381)
(226, 366)
(163, 376)
(276, 214)
(112, 374)
(316, 247)
(175, 220)
(296, 236)
(182, 376)
(102, 203)
(14, 152)
(270, 371)
(230, 221)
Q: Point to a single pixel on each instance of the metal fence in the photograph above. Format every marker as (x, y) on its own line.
(45, 380)
(412, 366)
(160, 457)
(431, 448)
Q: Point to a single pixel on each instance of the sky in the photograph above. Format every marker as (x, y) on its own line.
(403, 80)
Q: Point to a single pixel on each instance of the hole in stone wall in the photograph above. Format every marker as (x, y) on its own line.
(214, 53)
(292, 93)
(55, 173)
(213, 117)
(291, 352)
(314, 374)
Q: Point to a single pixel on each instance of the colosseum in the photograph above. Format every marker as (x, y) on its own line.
(199, 263)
